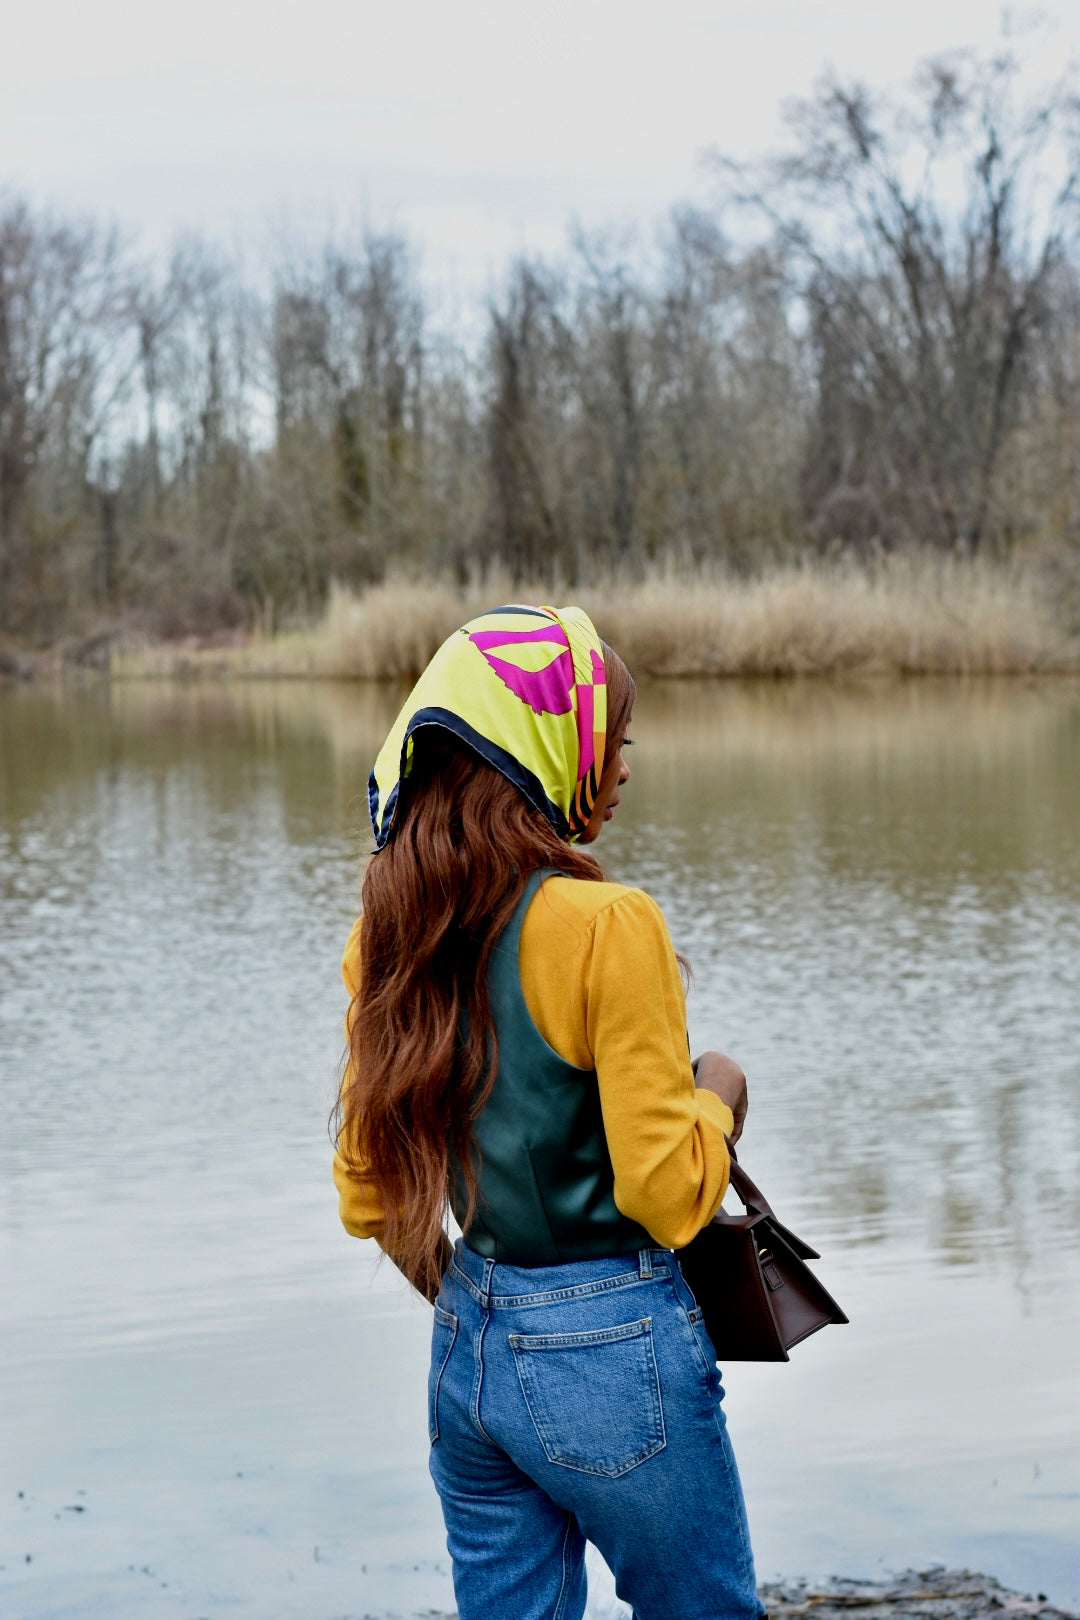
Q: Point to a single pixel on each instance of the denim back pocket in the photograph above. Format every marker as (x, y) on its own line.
(443, 1333)
(594, 1398)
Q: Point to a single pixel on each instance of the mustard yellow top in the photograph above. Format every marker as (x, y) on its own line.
(600, 978)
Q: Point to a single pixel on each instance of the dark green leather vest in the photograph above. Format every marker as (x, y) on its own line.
(545, 1191)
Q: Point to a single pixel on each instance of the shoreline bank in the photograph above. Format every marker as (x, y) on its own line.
(930, 1594)
(923, 614)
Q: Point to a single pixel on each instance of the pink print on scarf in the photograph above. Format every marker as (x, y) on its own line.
(547, 690)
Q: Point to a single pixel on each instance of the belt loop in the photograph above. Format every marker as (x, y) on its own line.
(485, 1283)
(645, 1263)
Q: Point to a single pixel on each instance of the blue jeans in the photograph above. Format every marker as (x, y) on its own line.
(580, 1402)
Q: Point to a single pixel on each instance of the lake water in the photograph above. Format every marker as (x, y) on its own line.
(212, 1399)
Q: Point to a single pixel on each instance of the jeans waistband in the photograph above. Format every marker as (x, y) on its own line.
(495, 1285)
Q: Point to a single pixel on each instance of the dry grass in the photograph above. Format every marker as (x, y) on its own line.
(907, 615)
(910, 615)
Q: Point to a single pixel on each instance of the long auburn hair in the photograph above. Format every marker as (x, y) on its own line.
(422, 1050)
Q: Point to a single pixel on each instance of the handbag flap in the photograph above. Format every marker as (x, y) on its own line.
(803, 1250)
(800, 1304)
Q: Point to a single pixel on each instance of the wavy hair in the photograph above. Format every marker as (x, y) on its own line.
(422, 1049)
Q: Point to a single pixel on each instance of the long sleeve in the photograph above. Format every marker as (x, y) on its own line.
(358, 1203)
(666, 1137)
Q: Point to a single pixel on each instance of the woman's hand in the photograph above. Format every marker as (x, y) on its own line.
(721, 1075)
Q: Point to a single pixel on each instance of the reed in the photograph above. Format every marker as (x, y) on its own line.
(904, 615)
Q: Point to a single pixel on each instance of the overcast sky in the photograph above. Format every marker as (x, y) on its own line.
(477, 127)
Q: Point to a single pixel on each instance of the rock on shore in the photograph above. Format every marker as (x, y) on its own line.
(931, 1594)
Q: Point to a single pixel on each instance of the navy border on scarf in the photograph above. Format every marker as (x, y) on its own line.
(505, 763)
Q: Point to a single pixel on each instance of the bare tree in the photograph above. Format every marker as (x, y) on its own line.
(64, 367)
(348, 350)
(615, 383)
(926, 246)
(529, 359)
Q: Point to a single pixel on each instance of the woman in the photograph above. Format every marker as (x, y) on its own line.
(517, 1050)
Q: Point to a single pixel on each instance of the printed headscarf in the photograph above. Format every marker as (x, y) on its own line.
(523, 686)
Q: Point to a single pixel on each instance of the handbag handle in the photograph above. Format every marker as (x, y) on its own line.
(751, 1195)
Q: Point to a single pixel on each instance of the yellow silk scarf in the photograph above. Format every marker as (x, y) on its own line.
(525, 688)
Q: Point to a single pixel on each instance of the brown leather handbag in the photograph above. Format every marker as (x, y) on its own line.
(748, 1275)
